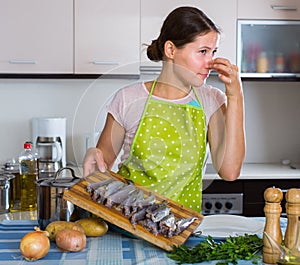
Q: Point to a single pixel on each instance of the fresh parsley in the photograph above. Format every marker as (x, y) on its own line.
(231, 250)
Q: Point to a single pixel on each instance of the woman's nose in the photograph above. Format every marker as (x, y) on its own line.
(209, 63)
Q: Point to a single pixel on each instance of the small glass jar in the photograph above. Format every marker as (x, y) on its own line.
(262, 65)
(279, 63)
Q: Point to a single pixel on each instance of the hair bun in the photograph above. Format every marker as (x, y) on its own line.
(153, 51)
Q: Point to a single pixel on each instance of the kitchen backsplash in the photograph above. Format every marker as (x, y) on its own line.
(272, 112)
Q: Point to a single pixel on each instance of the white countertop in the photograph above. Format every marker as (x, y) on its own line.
(261, 171)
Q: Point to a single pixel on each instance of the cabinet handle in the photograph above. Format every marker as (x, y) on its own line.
(285, 8)
(150, 69)
(105, 63)
(22, 62)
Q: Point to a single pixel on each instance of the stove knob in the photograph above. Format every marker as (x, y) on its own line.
(208, 205)
(228, 205)
(218, 205)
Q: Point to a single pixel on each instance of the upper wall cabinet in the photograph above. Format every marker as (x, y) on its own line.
(268, 43)
(153, 13)
(269, 9)
(36, 36)
(107, 36)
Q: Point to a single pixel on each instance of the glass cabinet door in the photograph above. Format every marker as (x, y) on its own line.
(268, 48)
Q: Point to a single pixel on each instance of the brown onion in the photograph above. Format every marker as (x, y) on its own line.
(35, 245)
(70, 240)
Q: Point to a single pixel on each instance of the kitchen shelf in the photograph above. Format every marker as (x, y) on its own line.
(268, 49)
(270, 78)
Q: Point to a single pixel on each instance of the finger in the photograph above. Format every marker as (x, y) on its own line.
(87, 170)
(226, 79)
(220, 60)
(225, 69)
(101, 165)
(93, 160)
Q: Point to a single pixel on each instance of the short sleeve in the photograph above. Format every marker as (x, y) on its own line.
(116, 106)
(127, 106)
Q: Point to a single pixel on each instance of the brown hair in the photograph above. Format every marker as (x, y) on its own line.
(181, 26)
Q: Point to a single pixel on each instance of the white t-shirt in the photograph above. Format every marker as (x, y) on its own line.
(128, 104)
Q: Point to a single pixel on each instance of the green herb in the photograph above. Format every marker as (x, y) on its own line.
(231, 250)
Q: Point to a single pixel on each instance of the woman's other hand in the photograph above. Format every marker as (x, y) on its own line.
(93, 160)
(227, 133)
(229, 74)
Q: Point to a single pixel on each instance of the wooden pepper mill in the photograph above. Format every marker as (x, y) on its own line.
(292, 206)
(273, 197)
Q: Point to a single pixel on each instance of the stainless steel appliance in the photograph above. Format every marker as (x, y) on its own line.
(222, 203)
(242, 196)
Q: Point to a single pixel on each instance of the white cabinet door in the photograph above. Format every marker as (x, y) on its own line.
(36, 36)
(107, 36)
(153, 13)
(269, 9)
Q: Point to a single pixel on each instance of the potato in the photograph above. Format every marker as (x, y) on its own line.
(93, 226)
(54, 227)
(70, 240)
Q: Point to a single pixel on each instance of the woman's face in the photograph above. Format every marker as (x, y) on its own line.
(193, 61)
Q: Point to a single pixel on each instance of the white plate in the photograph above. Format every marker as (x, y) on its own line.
(222, 226)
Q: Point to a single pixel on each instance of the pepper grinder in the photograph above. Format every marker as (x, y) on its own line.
(273, 197)
(293, 212)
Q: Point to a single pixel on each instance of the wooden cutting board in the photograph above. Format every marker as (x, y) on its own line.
(78, 195)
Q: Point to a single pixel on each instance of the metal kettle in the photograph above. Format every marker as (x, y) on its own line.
(50, 203)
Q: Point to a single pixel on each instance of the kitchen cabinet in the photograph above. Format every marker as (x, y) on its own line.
(269, 48)
(269, 9)
(36, 36)
(107, 36)
(268, 39)
(153, 13)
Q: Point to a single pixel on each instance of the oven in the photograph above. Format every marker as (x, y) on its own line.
(243, 196)
(222, 203)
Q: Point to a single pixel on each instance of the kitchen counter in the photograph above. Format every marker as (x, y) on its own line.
(249, 171)
(261, 171)
(112, 248)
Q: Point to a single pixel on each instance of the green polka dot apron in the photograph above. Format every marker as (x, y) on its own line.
(168, 151)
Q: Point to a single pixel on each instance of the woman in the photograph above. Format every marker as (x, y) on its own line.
(164, 126)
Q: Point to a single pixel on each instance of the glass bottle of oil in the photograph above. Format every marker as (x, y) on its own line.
(287, 256)
(28, 161)
(292, 256)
